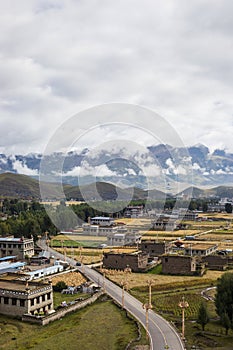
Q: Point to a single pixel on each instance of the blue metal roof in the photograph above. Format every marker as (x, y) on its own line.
(7, 265)
(5, 258)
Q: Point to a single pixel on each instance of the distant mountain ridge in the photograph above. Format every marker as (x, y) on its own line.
(127, 169)
(24, 187)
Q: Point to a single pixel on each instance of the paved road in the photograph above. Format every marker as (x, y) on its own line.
(162, 334)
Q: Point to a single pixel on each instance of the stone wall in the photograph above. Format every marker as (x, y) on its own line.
(178, 265)
(137, 262)
(218, 262)
(154, 248)
(43, 320)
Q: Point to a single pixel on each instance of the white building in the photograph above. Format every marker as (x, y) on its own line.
(96, 230)
(21, 247)
(122, 239)
(41, 273)
(102, 221)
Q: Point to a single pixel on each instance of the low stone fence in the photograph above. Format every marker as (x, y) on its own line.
(43, 320)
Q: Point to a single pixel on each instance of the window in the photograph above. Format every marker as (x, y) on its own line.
(43, 297)
(38, 300)
(22, 302)
(32, 302)
(6, 300)
(14, 301)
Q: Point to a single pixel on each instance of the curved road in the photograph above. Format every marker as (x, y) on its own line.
(162, 334)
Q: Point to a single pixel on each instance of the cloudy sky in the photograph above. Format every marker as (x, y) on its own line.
(60, 57)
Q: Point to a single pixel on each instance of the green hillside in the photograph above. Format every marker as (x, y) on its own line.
(25, 187)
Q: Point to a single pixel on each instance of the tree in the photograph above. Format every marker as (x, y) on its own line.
(204, 207)
(224, 299)
(203, 317)
(59, 286)
(225, 322)
(228, 208)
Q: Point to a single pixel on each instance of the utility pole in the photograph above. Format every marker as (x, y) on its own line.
(147, 307)
(150, 284)
(183, 305)
(127, 271)
(82, 264)
(65, 253)
(104, 282)
(123, 294)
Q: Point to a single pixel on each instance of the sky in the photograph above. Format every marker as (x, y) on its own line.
(61, 57)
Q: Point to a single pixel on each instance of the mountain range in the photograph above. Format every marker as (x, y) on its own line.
(158, 167)
(25, 187)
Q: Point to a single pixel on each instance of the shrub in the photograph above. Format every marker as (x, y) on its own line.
(59, 286)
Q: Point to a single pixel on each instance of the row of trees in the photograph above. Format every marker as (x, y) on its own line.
(25, 218)
(223, 304)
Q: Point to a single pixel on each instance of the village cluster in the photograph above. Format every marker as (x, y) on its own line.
(25, 271)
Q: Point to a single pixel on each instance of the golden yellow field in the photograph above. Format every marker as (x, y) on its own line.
(169, 234)
(56, 203)
(161, 281)
(71, 279)
(91, 255)
(81, 238)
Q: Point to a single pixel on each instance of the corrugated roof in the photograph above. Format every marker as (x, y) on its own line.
(5, 258)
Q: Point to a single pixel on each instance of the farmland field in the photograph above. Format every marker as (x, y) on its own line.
(162, 282)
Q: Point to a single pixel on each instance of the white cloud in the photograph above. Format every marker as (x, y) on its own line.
(23, 169)
(196, 166)
(61, 56)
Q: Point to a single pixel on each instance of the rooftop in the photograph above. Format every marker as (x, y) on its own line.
(200, 246)
(13, 239)
(107, 218)
(15, 282)
(5, 258)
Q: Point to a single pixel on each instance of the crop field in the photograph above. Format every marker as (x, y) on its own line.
(169, 235)
(91, 255)
(77, 241)
(99, 326)
(161, 282)
(166, 304)
(70, 278)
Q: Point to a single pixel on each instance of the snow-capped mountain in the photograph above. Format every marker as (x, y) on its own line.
(157, 166)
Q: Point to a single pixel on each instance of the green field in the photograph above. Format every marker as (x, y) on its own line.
(166, 304)
(99, 326)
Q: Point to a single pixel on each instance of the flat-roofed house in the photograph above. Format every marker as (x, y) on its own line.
(21, 247)
(102, 221)
(155, 248)
(121, 239)
(19, 297)
(181, 265)
(135, 261)
(200, 249)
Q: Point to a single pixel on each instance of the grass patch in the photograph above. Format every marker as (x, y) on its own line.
(58, 298)
(157, 270)
(99, 326)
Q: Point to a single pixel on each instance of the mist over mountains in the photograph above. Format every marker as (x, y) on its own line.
(159, 167)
